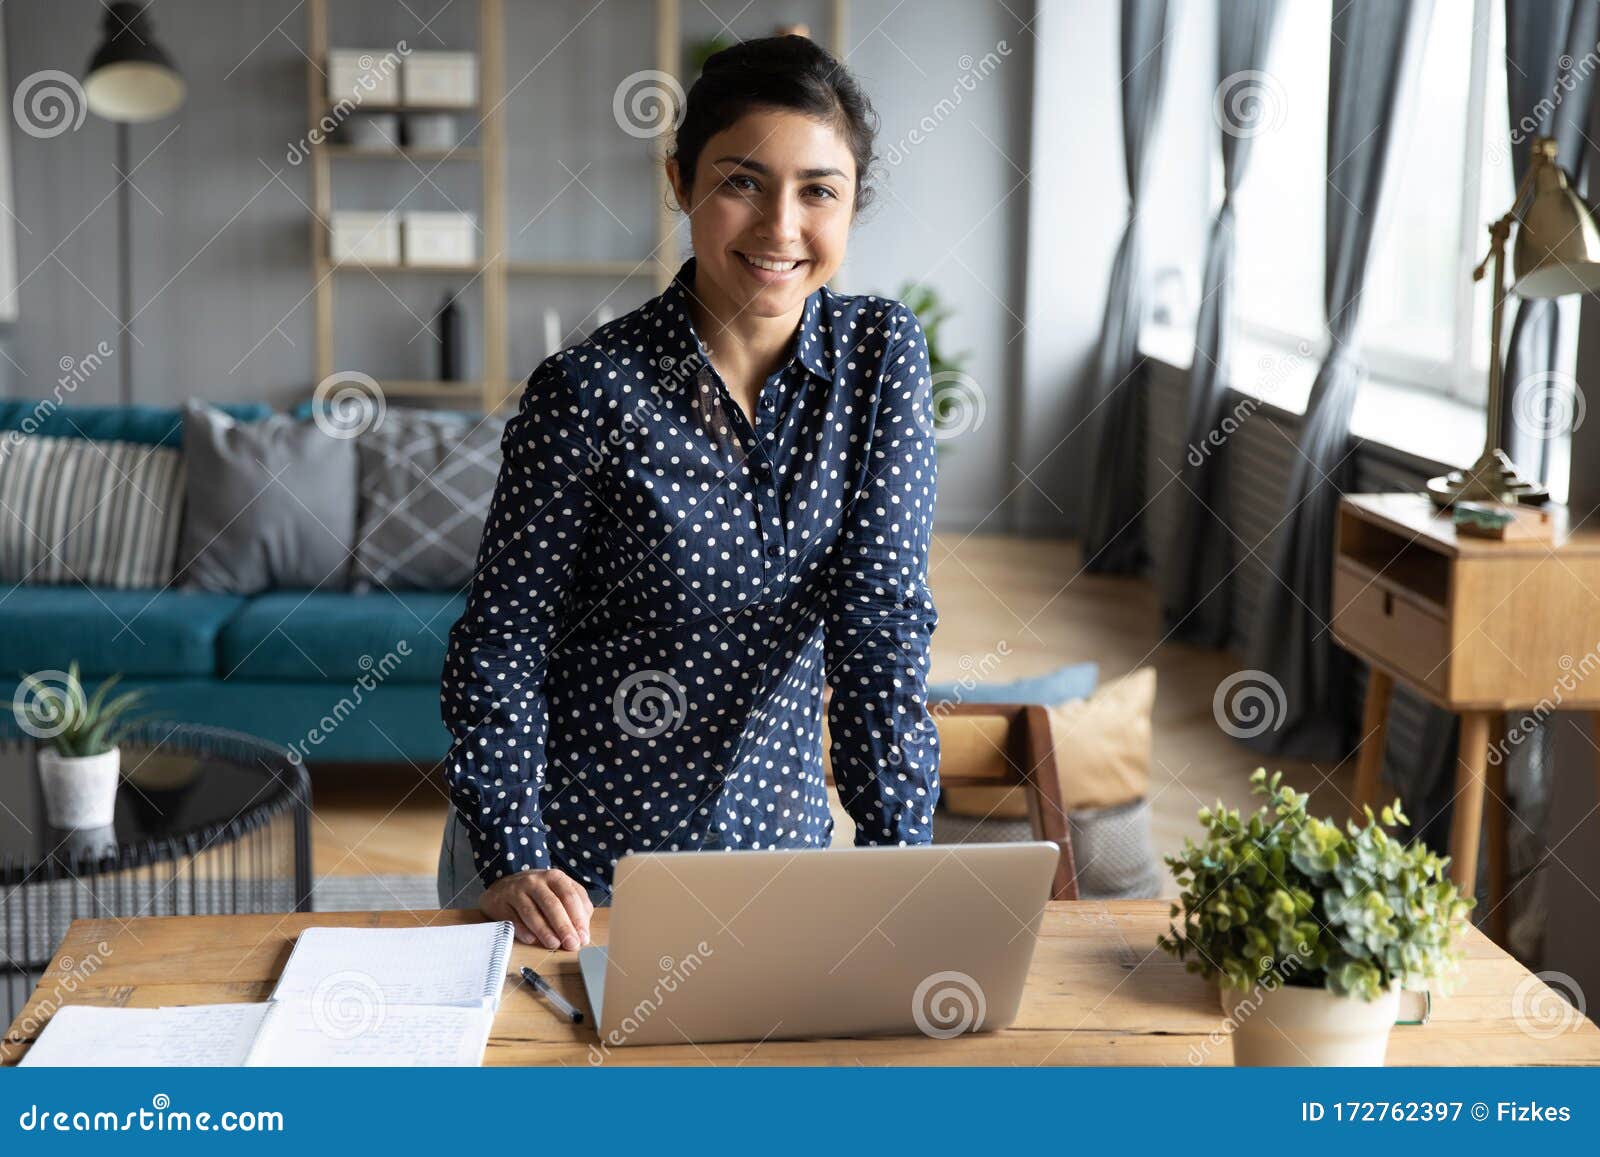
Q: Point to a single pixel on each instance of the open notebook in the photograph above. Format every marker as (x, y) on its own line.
(348, 996)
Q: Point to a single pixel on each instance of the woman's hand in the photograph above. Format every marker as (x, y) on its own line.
(545, 907)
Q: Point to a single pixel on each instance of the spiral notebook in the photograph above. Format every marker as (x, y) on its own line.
(347, 996)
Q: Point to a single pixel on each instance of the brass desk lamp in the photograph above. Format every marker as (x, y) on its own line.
(1557, 252)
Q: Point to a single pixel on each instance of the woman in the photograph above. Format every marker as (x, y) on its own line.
(711, 506)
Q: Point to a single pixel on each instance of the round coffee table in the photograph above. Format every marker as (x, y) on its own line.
(207, 822)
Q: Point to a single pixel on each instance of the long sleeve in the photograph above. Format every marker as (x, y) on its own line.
(880, 618)
(493, 692)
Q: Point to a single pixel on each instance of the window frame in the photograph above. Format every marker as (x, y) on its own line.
(1460, 377)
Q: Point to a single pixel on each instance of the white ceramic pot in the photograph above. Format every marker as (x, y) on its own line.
(79, 791)
(1293, 1026)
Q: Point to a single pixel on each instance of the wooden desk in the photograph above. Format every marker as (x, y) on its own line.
(1475, 626)
(1100, 993)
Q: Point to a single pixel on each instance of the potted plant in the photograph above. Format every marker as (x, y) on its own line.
(1311, 930)
(78, 772)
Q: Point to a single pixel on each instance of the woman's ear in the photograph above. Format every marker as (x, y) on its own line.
(680, 196)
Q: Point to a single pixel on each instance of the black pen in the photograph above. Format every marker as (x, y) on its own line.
(543, 985)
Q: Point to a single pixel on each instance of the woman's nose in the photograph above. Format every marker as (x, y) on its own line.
(781, 222)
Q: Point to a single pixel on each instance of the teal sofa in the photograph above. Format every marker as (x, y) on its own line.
(335, 676)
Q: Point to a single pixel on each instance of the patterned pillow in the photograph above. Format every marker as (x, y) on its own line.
(104, 514)
(426, 480)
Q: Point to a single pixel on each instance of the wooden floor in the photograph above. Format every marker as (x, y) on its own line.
(1012, 607)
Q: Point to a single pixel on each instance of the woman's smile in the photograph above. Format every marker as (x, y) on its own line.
(771, 270)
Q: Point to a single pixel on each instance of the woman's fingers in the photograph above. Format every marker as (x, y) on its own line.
(532, 918)
(579, 907)
(547, 907)
(554, 909)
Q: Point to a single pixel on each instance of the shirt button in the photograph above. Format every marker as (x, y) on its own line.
(774, 549)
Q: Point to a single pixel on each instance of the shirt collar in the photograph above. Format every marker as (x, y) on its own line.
(814, 336)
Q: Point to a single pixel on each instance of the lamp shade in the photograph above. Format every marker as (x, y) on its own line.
(1557, 250)
(131, 77)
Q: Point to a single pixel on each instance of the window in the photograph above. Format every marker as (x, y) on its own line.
(1425, 323)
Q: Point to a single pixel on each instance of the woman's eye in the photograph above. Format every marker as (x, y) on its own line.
(734, 183)
(823, 190)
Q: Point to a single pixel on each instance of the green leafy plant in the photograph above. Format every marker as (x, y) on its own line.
(932, 312)
(1283, 897)
(79, 725)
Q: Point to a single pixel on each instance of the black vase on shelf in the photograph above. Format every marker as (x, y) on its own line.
(450, 339)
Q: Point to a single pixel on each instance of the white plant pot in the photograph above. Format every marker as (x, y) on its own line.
(1292, 1026)
(79, 791)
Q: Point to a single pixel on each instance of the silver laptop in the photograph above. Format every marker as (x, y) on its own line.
(764, 945)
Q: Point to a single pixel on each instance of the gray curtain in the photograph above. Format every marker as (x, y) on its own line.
(1373, 44)
(1198, 602)
(1549, 92)
(1114, 491)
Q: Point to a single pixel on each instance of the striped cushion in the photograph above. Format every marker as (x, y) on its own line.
(98, 513)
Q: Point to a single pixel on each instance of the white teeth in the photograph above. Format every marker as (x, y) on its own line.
(774, 266)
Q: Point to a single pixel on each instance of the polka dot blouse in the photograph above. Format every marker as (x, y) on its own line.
(662, 588)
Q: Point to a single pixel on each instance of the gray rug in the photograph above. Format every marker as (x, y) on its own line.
(373, 893)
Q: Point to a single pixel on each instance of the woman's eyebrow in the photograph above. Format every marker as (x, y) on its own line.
(806, 174)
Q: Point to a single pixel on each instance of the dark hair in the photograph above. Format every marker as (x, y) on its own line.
(776, 72)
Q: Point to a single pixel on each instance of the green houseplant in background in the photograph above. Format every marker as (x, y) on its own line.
(78, 772)
(1311, 930)
(954, 393)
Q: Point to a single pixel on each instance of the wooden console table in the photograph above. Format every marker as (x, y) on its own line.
(1475, 626)
(1100, 993)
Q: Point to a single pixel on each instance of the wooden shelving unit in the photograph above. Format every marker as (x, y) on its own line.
(497, 385)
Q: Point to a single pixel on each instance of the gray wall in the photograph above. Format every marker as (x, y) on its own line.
(221, 241)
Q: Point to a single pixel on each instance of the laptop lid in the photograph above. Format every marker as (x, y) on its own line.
(762, 945)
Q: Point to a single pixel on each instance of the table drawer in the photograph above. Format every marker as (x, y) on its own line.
(1390, 625)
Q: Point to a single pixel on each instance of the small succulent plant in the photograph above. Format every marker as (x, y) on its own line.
(1284, 897)
(79, 725)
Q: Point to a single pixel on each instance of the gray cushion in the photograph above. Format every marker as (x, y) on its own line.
(426, 483)
(270, 503)
(1112, 853)
(1111, 848)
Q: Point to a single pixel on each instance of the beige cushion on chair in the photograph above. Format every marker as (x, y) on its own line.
(1103, 742)
(1102, 745)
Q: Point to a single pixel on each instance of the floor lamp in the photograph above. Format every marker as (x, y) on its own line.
(130, 79)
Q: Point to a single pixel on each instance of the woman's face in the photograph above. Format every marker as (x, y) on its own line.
(778, 187)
